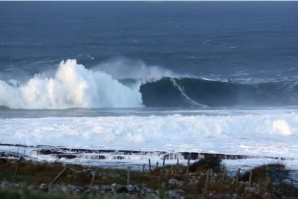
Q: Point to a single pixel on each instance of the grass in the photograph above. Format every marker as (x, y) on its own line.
(259, 172)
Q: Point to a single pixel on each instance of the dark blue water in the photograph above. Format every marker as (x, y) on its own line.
(253, 43)
(194, 37)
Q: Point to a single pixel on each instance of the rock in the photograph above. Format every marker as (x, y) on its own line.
(74, 189)
(130, 188)
(118, 157)
(93, 173)
(250, 189)
(107, 189)
(136, 188)
(180, 192)
(95, 188)
(66, 156)
(192, 184)
(31, 187)
(54, 188)
(43, 187)
(163, 184)
(115, 175)
(173, 182)
(180, 184)
(149, 192)
(5, 184)
(266, 195)
(121, 189)
(114, 185)
(17, 185)
(172, 194)
(143, 191)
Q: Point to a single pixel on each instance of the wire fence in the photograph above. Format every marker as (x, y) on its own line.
(283, 185)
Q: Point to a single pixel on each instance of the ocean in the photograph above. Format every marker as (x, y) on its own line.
(171, 77)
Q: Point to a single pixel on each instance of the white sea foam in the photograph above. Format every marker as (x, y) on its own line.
(73, 86)
(259, 135)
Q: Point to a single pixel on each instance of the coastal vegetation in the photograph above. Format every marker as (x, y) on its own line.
(205, 178)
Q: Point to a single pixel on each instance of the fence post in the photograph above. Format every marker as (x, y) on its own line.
(187, 169)
(211, 173)
(59, 175)
(128, 175)
(267, 174)
(250, 177)
(156, 165)
(237, 177)
(17, 168)
(163, 163)
(93, 177)
(267, 179)
(224, 174)
(207, 181)
(143, 168)
(159, 180)
(149, 165)
(292, 188)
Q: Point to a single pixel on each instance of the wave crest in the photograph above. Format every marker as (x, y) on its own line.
(195, 92)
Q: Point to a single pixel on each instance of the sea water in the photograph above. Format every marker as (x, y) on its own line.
(151, 76)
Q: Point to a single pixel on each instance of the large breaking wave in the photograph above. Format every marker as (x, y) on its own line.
(74, 86)
(185, 92)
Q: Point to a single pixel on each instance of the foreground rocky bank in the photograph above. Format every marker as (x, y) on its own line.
(204, 179)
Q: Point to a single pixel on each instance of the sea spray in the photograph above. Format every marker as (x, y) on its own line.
(73, 86)
(123, 68)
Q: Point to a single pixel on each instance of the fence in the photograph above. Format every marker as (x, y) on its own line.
(283, 185)
(276, 183)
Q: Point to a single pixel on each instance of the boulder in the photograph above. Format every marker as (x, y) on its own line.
(173, 182)
(43, 187)
(31, 187)
(130, 188)
(5, 184)
(172, 194)
(74, 189)
(54, 188)
(180, 192)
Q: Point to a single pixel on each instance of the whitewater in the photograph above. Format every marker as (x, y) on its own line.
(72, 87)
(264, 136)
(272, 134)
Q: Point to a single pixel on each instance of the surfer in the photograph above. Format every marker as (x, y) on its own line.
(229, 80)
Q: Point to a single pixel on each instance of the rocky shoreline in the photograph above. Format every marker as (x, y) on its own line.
(60, 152)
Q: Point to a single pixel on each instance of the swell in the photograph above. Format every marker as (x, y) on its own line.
(190, 92)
